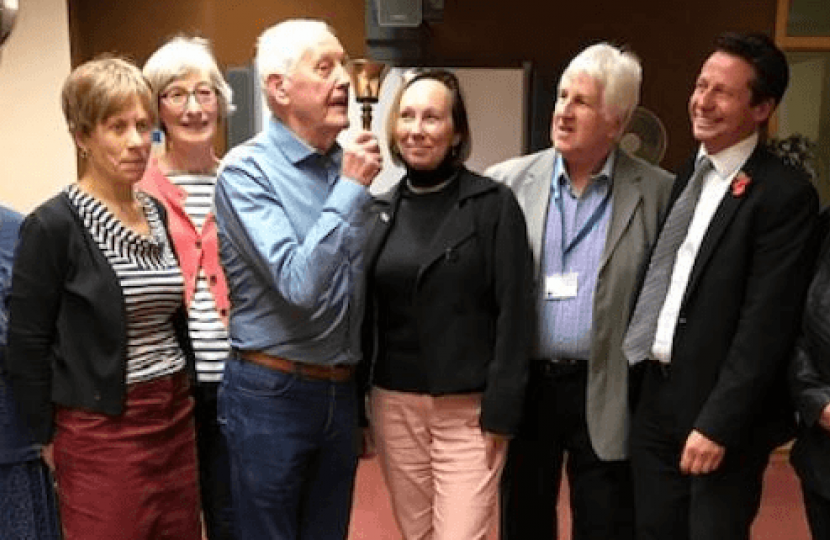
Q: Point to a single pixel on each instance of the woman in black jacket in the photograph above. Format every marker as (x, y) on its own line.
(449, 272)
(810, 387)
(98, 353)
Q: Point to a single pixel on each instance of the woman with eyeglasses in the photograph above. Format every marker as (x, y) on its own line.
(447, 326)
(193, 98)
(98, 352)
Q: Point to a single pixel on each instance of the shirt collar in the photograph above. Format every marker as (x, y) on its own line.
(729, 161)
(601, 180)
(295, 149)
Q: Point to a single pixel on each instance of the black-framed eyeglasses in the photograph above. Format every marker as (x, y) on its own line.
(178, 97)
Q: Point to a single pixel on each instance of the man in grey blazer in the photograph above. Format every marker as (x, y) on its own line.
(592, 213)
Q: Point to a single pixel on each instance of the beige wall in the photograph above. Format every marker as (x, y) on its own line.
(37, 157)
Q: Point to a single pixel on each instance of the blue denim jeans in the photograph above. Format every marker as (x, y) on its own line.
(293, 453)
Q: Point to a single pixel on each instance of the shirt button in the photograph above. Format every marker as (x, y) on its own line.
(198, 244)
(212, 280)
(223, 312)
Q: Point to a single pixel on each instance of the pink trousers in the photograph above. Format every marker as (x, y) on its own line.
(433, 457)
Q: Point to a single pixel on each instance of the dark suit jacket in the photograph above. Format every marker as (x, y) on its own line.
(741, 310)
(810, 383)
(472, 299)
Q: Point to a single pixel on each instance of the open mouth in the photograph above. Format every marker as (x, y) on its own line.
(194, 125)
(702, 122)
(339, 101)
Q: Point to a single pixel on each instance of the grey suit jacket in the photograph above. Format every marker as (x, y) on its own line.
(639, 196)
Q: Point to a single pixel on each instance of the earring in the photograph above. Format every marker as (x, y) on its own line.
(84, 152)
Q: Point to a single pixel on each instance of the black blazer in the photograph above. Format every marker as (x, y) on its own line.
(741, 310)
(810, 383)
(67, 322)
(473, 298)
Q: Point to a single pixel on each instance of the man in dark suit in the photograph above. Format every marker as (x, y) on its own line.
(719, 308)
(592, 211)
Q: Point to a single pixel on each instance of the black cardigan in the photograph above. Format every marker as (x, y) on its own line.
(473, 299)
(67, 320)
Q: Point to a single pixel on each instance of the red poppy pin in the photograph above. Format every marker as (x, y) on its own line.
(740, 183)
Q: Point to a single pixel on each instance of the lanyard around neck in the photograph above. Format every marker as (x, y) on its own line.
(586, 227)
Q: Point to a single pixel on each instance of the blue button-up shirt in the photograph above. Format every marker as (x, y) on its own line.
(565, 324)
(291, 234)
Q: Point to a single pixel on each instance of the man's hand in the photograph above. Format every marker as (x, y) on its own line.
(362, 160)
(700, 455)
(494, 445)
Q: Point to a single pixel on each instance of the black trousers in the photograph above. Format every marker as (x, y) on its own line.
(555, 426)
(214, 465)
(817, 507)
(673, 506)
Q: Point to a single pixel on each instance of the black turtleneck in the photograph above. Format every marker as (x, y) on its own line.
(400, 365)
(432, 177)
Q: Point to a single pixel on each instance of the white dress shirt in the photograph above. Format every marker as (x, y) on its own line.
(726, 164)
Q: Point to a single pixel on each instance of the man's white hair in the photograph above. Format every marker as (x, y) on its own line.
(282, 46)
(617, 71)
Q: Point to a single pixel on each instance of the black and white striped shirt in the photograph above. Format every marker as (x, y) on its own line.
(151, 283)
(208, 333)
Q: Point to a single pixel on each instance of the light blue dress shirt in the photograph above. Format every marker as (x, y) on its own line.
(565, 325)
(291, 235)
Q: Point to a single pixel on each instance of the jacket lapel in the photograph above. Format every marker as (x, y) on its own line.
(534, 196)
(625, 196)
(719, 224)
(458, 225)
(383, 214)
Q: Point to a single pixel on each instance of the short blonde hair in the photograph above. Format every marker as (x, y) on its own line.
(183, 56)
(100, 88)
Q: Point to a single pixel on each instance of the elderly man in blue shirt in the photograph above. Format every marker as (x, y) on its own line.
(592, 211)
(291, 208)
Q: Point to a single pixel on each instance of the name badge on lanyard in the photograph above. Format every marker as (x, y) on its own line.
(561, 286)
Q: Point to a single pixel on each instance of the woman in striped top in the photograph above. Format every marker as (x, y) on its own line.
(98, 350)
(192, 98)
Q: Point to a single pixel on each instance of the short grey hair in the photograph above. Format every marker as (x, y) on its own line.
(281, 47)
(183, 56)
(617, 71)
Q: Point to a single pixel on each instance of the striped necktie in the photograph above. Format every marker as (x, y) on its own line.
(641, 330)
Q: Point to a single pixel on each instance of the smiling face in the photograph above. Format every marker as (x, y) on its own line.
(118, 147)
(193, 122)
(721, 108)
(314, 98)
(582, 130)
(424, 131)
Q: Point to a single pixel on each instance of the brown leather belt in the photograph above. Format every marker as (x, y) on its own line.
(315, 372)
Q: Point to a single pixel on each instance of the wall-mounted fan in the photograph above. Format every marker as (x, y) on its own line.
(8, 13)
(645, 136)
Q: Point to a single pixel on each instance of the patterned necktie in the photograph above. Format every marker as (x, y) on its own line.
(641, 331)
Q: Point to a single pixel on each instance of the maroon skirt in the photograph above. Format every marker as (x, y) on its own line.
(133, 476)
